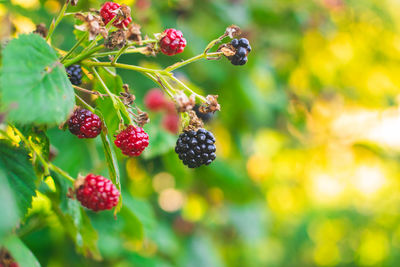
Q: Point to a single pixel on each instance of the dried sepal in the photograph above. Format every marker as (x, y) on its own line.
(227, 49)
(184, 103)
(41, 30)
(233, 31)
(91, 23)
(127, 97)
(133, 33)
(211, 104)
(116, 39)
(194, 121)
(73, 2)
(142, 118)
(125, 12)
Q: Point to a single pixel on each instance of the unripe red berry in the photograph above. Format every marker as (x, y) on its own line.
(84, 124)
(154, 100)
(132, 141)
(171, 122)
(96, 192)
(107, 12)
(172, 42)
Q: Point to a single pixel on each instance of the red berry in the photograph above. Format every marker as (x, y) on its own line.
(14, 264)
(84, 124)
(107, 12)
(96, 192)
(171, 122)
(154, 100)
(132, 141)
(173, 42)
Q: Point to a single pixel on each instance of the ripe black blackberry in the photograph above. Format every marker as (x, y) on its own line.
(74, 74)
(243, 48)
(196, 148)
(84, 124)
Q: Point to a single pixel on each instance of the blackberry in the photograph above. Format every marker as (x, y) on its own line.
(196, 148)
(108, 12)
(96, 192)
(173, 42)
(243, 48)
(74, 73)
(205, 117)
(132, 141)
(84, 124)
(154, 100)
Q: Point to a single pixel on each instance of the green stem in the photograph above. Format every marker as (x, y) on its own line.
(83, 56)
(128, 51)
(202, 98)
(57, 21)
(75, 47)
(119, 53)
(61, 172)
(112, 96)
(213, 42)
(190, 60)
(89, 107)
(122, 66)
(32, 149)
(46, 165)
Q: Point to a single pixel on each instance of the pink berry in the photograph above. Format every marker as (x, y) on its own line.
(107, 12)
(84, 124)
(132, 141)
(96, 193)
(171, 122)
(155, 100)
(172, 42)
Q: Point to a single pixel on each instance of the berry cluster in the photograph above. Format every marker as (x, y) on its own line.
(196, 148)
(109, 10)
(96, 193)
(172, 42)
(74, 73)
(132, 141)
(243, 48)
(84, 124)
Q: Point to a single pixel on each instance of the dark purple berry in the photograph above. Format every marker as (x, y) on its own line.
(196, 148)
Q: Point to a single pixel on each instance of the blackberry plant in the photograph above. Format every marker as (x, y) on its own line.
(51, 78)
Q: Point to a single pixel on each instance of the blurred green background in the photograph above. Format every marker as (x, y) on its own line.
(307, 141)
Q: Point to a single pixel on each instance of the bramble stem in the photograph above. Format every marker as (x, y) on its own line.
(202, 98)
(119, 53)
(57, 21)
(190, 60)
(89, 107)
(83, 56)
(213, 42)
(128, 51)
(74, 47)
(89, 92)
(46, 165)
(119, 65)
(61, 172)
(113, 99)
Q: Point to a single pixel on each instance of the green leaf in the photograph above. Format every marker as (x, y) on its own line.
(33, 83)
(75, 220)
(143, 211)
(111, 160)
(19, 171)
(8, 206)
(105, 105)
(161, 141)
(20, 252)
